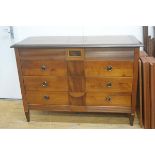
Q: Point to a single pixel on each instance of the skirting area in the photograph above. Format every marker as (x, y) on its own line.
(12, 116)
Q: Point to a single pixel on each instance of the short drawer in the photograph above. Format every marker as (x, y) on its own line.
(114, 84)
(45, 83)
(44, 67)
(109, 53)
(45, 98)
(42, 53)
(109, 68)
(108, 99)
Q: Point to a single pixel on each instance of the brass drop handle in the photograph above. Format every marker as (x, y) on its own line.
(45, 84)
(109, 68)
(46, 97)
(108, 98)
(109, 85)
(43, 67)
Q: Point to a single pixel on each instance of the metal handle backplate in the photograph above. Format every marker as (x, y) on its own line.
(109, 68)
(45, 84)
(109, 85)
(108, 98)
(46, 97)
(43, 67)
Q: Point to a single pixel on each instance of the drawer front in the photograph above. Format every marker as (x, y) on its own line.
(109, 54)
(109, 84)
(107, 99)
(42, 54)
(45, 83)
(42, 67)
(45, 98)
(109, 68)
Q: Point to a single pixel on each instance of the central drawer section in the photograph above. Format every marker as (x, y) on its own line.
(76, 76)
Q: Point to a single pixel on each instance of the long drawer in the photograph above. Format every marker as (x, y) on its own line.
(44, 67)
(109, 68)
(110, 84)
(45, 98)
(108, 99)
(45, 83)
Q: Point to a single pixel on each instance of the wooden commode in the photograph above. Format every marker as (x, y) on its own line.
(79, 74)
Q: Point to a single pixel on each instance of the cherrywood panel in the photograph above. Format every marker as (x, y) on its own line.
(42, 54)
(47, 98)
(139, 106)
(76, 83)
(146, 93)
(75, 68)
(109, 68)
(44, 67)
(109, 53)
(108, 99)
(118, 84)
(135, 80)
(26, 109)
(45, 83)
(112, 109)
(152, 81)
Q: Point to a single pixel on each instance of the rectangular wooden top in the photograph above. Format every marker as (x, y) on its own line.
(78, 41)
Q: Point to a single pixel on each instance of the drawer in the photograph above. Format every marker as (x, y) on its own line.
(109, 68)
(109, 53)
(77, 98)
(42, 54)
(109, 84)
(108, 99)
(45, 83)
(44, 98)
(44, 67)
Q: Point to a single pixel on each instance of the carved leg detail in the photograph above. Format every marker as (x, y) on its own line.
(131, 119)
(27, 114)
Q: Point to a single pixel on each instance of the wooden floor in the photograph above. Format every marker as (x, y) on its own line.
(12, 116)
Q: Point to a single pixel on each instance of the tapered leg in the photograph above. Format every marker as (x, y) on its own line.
(131, 119)
(27, 114)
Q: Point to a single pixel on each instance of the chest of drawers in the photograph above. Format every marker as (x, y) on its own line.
(79, 74)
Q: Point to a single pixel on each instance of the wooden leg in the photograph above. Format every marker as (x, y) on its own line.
(131, 119)
(27, 114)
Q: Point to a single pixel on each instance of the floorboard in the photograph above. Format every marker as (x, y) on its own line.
(12, 117)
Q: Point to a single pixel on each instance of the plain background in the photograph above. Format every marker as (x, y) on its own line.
(77, 13)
